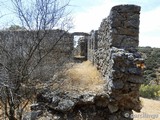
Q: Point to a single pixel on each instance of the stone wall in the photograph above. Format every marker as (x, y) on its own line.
(20, 43)
(82, 44)
(61, 41)
(120, 29)
(92, 45)
(112, 49)
(116, 56)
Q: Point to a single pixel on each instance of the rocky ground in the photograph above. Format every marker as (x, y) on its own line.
(89, 101)
(150, 110)
(150, 107)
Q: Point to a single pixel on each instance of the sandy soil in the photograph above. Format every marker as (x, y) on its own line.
(150, 110)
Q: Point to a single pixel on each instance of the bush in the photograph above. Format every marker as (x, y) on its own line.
(150, 91)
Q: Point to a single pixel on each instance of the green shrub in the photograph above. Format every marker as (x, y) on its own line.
(150, 91)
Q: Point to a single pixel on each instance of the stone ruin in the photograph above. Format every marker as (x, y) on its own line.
(112, 49)
(19, 44)
(81, 48)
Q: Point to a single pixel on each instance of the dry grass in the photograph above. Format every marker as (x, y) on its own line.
(25, 110)
(83, 77)
(150, 110)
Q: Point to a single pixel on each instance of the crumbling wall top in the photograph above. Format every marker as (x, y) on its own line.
(80, 34)
(126, 8)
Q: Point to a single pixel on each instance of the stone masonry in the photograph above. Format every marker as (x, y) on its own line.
(112, 49)
(115, 55)
(20, 43)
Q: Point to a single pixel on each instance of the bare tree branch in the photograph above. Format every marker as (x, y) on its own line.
(23, 56)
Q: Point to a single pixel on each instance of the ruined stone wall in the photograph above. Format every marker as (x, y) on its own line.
(62, 40)
(120, 29)
(92, 46)
(19, 44)
(81, 50)
(112, 49)
(83, 46)
(116, 56)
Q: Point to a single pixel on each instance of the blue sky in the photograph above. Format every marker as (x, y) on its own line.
(88, 15)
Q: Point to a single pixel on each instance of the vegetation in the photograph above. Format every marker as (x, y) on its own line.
(83, 77)
(21, 59)
(16, 27)
(152, 62)
(150, 91)
(151, 87)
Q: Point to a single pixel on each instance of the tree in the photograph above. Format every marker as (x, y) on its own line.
(16, 27)
(21, 60)
(42, 14)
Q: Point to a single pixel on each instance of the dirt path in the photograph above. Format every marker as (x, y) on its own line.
(150, 110)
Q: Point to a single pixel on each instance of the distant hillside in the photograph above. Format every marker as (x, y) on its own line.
(152, 62)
